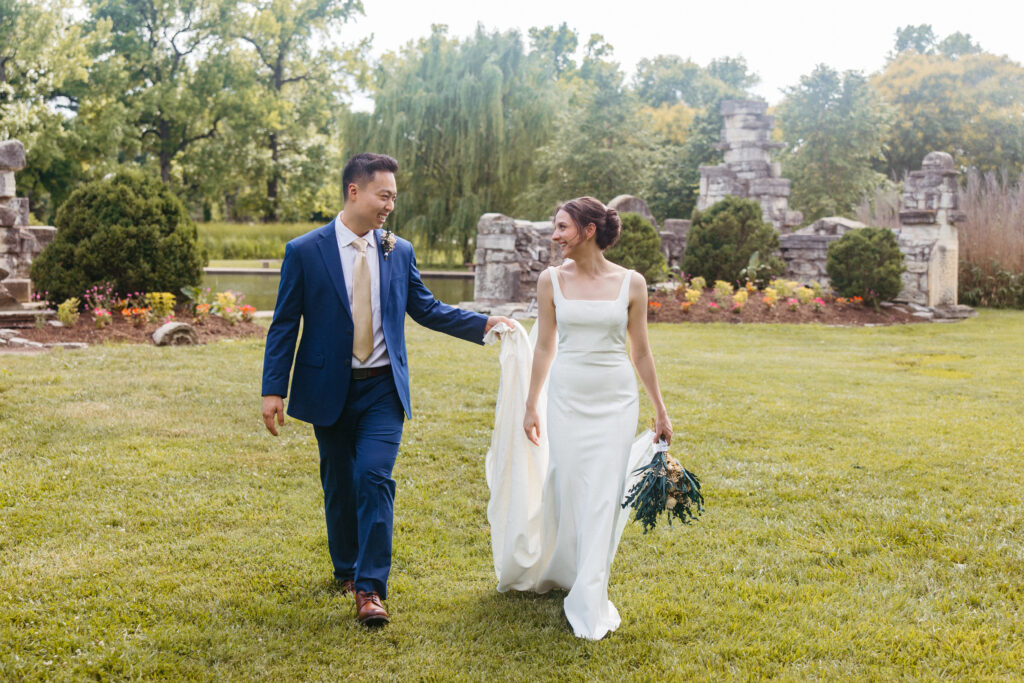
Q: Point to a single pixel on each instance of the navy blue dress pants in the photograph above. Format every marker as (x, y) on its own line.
(357, 454)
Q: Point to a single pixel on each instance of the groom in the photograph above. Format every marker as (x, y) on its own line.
(351, 284)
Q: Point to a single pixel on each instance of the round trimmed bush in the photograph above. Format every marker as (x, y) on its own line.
(866, 262)
(129, 230)
(638, 248)
(723, 238)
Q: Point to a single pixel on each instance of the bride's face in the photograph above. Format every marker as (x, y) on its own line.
(567, 234)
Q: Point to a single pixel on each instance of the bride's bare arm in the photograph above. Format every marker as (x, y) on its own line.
(643, 359)
(543, 354)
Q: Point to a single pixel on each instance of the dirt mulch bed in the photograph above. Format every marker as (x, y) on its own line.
(846, 314)
(121, 331)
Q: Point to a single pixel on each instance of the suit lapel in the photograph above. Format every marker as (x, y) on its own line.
(384, 270)
(328, 245)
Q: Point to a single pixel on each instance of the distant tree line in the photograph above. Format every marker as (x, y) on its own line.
(243, 108)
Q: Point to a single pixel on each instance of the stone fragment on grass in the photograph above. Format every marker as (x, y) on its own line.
(175, 334)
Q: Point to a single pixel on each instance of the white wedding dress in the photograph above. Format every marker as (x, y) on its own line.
(556, 510)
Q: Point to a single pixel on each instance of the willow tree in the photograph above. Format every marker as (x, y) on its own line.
(463, 118)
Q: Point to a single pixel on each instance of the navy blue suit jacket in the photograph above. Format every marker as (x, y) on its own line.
(313, 290)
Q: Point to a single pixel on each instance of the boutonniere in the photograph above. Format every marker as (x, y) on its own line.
(387, 242)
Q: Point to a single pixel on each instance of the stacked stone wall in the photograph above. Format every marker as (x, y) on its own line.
(748, 170)
(20, 242)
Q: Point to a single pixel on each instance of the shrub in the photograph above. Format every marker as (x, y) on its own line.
(723, 292)
(784, 288)
(67, 312)
(130, 231)
(866, 262)
(724, 237)
(804, 295)
(161, 303)
(699, 283)
(993, 286)
(638, 248)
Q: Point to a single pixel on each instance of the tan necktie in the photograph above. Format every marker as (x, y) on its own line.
(362, 306)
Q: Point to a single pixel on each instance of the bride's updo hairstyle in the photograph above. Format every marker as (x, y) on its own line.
(587, 210)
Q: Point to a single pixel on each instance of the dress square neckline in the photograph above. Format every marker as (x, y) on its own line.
(618, 296)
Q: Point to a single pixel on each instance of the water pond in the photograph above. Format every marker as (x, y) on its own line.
(261, 289)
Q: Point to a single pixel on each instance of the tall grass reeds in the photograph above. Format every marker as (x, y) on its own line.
(991, 236)
(992, 241)
(880, 208)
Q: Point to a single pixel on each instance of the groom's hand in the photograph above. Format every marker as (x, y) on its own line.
(273, 406)
(495, 319)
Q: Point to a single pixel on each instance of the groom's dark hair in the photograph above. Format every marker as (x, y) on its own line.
(361, 168)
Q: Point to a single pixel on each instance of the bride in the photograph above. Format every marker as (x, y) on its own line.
(586, 309)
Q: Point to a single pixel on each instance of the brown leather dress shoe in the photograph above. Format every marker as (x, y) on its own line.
(347, 586)
(370, 611)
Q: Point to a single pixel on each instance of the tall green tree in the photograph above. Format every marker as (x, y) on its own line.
(601, 144)
(44, 59)
(166, 63)
(302, 75)
(674, 177)
(463, 118)
(558, 44)
(970, 106)
(668, 79)
(835, 126)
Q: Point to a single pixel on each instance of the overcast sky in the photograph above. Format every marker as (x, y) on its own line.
(781, 40)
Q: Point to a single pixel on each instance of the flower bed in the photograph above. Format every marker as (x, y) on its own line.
(676, 307)
(121, 330)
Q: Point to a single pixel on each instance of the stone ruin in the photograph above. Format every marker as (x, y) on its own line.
(929, 212)
(927, 235)
(747, 170)
(20, 242)
(511, 253)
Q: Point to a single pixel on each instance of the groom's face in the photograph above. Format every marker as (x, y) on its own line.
(369, 205)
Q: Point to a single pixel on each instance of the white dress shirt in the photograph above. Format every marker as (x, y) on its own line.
(348, 251)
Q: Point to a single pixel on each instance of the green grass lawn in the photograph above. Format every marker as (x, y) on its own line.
(863, 519)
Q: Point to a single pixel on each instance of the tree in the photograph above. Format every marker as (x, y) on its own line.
(920, 39)
(299, 86)
(556, 44)
(683, 103)
(463, 118)
(601, 144)
(957, 45)
(668, 79)
(166, 64)
(969, 106)
(44, 53)
(674, 172)
(834, 126)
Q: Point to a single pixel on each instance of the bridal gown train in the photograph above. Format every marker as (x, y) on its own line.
(555, 510)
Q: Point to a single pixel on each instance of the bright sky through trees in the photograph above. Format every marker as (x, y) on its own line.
(780, 40)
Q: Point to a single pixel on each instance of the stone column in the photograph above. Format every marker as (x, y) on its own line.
(748, 170)
(20, 243)
(927, 234)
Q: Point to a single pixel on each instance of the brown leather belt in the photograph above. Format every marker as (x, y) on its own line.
(367, 373)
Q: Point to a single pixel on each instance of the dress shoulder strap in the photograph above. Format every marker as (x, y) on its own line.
(623, 291)
(553, 274)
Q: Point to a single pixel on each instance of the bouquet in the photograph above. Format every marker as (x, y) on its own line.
(666, 486)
